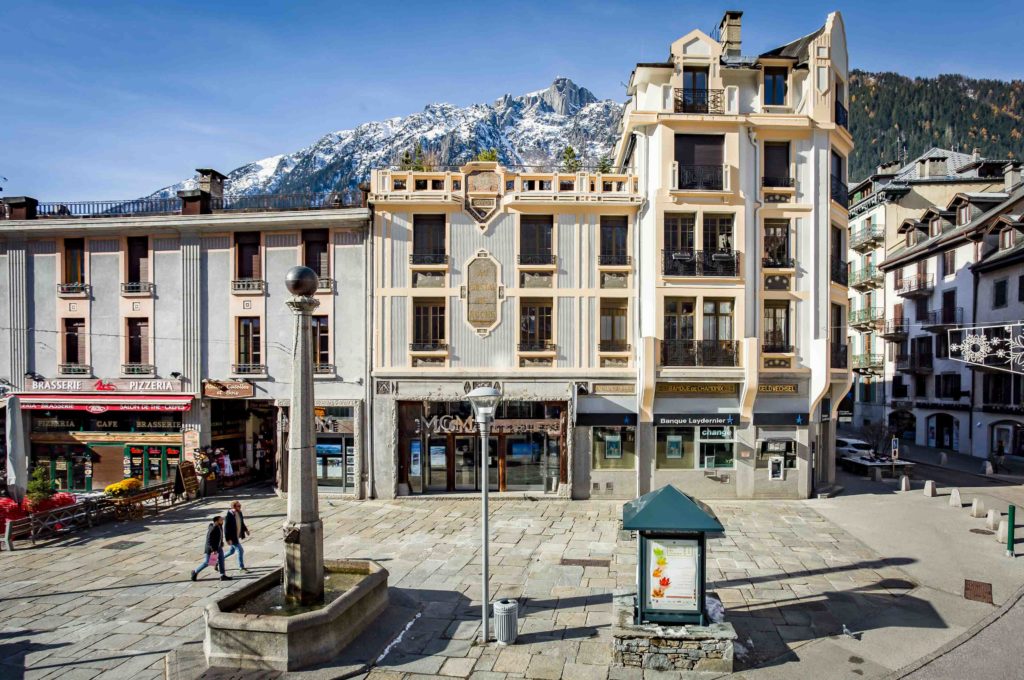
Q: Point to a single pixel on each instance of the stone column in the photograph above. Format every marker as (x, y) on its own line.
(303, 530)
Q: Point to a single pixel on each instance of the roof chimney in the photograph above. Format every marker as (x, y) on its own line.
(976, 154)
(729, 32)
(1011, 175)
(932, 167)
(212, 182)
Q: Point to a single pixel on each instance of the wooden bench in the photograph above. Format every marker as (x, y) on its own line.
(17, 528)
(134, 506)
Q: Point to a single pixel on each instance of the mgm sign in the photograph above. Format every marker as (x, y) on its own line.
(998, 348)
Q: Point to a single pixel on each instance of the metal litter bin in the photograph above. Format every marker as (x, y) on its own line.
(506, 621)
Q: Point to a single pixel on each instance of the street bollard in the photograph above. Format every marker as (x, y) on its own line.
(1011, 514)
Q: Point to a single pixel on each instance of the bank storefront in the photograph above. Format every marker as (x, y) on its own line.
(339, 437)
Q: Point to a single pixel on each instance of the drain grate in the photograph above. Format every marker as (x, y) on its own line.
(570, 562)
(122, 545)
(978, 591)
(983, 532)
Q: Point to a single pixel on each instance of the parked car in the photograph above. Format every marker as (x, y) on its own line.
(852, 447)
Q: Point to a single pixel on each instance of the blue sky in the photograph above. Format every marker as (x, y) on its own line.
(109, 100)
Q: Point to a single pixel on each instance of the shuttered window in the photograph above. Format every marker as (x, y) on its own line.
(138, 259)
(249, 341)
(247, 253)
(776, 161)
(74, 260)
(74, 342)
(138, 341)
(315, 251)
(700, 150)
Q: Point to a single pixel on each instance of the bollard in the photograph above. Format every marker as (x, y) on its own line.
(943, 459)
(1011, 517)
(876, 474)
(988, 469)
(904, 483)
(992, 520)
(929, 489)
(977, 508)
(954, 499)
(1001, 531)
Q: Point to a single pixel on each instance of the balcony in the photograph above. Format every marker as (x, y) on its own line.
(614, 260)
(840, 192)
(613, 346)
(323, 369)
(698, 101)
(867, 317)
(536, 259)
(842, 116)
(73, 289)
(248, 286)
(778, 182)
(74, 369)
(919, 285)
(249, 369)
(938, 319)
(429, 346)
(866, 278)
(868, 363)
(777, 262)
(776, 348)
(429, 259)
(866, 238)
(692, 353)
(839, 356)
(914, 363)
(700, 263)
(536, 346)
(895, 329)
(140, 288)
(138, 369)
(699, 177)
(324, 284)
(840, 272)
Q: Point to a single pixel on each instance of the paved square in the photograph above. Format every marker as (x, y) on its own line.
(84, 607)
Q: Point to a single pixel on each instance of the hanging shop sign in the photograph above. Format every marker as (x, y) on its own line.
(695, 419)
(720, 389)
(777, 388)
(228, 389)
(104, 386)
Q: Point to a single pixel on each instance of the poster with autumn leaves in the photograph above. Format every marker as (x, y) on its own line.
(671, 574)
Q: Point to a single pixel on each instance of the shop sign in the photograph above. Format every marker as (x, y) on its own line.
(696, 419)
(228, 389)
(102, 407)
(777, 388)
(613, 388)
(781, 418)
(612, 419)
(101, 385)
(721, 389)
(826, 410)
(446, 424)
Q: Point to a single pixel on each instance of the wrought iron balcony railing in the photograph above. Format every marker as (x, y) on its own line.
(536, 346)
(840, 272)
(74, 369)
(895, 329)
(777, 262)
(137, 287)
(613, 346)
(839, 355)
(74, 288)
(248, 285)
(842, 116)
(688, 100)
(428, 346)
(429, 258)
(701, 177)
(777, 182)
(536, 259)
(614, 260)
(700, 263)
(137, 369)
(916, 285)
(914, 363)
(868, 362)
(684, 353)
(323, 369)
(248, 369)
(866, 236)
(772, 347)
(939, 318)
(866, 316)
(867, 277)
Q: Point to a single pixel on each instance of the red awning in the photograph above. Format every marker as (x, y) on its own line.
(101, 403)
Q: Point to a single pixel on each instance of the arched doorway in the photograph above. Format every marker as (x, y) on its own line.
(904, 424)
(1006, 436)
(944, 431)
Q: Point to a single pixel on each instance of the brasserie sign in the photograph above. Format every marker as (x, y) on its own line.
(119, 385)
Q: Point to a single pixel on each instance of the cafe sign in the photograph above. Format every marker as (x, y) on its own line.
(228, 389)
(115, 385)
(717, 389)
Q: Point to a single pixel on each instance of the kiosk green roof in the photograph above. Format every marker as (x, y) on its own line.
(668, 509)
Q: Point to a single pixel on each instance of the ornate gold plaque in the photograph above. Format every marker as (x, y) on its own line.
(697, 388)
(482, 293)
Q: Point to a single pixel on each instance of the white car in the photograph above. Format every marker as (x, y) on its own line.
(852, 447)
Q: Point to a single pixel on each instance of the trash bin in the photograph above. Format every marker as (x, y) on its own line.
(506, 621)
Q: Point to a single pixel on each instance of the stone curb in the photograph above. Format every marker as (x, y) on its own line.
(959, 640)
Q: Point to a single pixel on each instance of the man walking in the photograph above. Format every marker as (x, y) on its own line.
(234, 531)
(214, 545)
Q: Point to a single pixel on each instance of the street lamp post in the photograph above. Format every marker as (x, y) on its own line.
(484, 401)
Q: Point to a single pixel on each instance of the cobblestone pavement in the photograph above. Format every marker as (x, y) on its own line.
(113, 601)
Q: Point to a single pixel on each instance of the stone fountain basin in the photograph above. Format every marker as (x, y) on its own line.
(287, 643)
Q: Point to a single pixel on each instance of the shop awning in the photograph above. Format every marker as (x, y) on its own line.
(101, 403)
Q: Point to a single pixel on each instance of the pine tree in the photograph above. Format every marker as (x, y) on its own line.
(487, 155)
(570, 163)
(604, 164)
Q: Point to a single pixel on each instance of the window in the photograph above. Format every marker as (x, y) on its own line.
(249, 348)
(679, 319)
(535, 239)
(949, 263)
(1003, 389)
(138, 259)
(716, 446)
(897, 278)
(963, 215)
(776, 243)
(321, 341)
(428, 325)
(999, 294)
(614, 315)
(74, 342)
(675, 448)
(679, 231)
(138, 341)
(1020, 288)
(1006, 239)
(776, 327)
(838, 167)
(776, 165)
(534, 325)
(74, 260)
(935, 227)
(920, 387)
(695, 93)
(247, 256)
(947, 386)
(614, 448)
(718, 234)
(614, 241)
(428, 239)
(899, 390)
(700, 159)
(695, 78)
(775, 85)
(315, 251)
(718, 319)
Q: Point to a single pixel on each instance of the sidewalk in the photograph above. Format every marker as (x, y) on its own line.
(961, 462)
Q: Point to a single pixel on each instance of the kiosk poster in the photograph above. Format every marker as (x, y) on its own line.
(415, 468)
(613, 446)
(674, 446)
(671, 574)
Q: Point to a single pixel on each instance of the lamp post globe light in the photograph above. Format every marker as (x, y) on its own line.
(484, 401)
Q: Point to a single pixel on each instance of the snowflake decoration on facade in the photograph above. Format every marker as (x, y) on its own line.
(995, 347)
(974, 348)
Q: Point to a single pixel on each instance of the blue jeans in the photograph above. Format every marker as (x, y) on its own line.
(237, 545)
(206, 562)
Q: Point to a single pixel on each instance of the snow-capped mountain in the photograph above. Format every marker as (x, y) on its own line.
(531, 129)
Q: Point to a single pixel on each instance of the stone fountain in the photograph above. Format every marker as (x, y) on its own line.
(306, 612)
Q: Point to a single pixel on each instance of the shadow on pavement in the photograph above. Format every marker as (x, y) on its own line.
(13, 652)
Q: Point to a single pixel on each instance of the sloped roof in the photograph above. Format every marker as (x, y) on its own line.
(954, 162)
(668, 509)
(799, 49)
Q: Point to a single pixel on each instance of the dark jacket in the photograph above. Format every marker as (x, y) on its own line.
(234, 530)
(214, 539)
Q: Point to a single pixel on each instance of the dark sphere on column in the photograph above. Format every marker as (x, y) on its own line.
(301, 281)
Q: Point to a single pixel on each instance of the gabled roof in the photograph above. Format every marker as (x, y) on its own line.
(798, 50)
(668, 509)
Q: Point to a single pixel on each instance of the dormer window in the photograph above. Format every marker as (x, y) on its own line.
(910, 238)
(935, 227)
(963, 215)
(1006, 239)
(775, 85)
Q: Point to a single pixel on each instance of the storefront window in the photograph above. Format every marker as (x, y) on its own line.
(614, 448)
(717, 447)
(675, 448)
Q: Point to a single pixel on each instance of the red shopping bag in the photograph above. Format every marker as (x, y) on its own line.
(213, 559)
